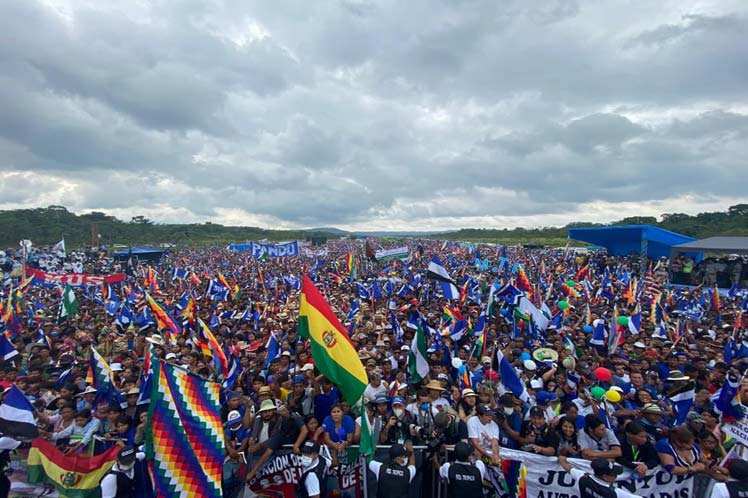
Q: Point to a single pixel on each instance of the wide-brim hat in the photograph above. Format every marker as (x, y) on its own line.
(155, 339)
(545, 354)
(676, 375)
(652, 408)
(266, 406)
(434, 384)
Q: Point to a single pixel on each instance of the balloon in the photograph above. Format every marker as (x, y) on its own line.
(587, 329)
(597, 392)
(525, 356)
(613, 396)
(623, 321)
(562, 305)
(571, 283)
(603, 374)
(456, 362)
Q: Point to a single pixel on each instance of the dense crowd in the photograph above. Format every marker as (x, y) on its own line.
(581, 393)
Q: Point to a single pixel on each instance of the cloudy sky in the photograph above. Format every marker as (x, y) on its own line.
(424, 114)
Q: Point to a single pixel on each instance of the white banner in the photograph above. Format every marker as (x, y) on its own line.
(388, 254)
(547, 479)
(738, 430)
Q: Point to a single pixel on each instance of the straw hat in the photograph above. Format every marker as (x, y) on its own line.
(155, 339)
(544, 354)
(266, 406)
(434, 384)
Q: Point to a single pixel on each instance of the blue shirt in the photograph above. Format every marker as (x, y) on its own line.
(347, 425)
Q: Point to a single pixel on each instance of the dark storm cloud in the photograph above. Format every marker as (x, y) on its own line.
(371, 113)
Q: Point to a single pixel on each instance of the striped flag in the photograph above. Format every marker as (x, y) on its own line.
(72, 475)
(163, 319)
(332, 351)
(68, 304)
(418, 365)
(184, 434)
(17, 415)
(215, 351)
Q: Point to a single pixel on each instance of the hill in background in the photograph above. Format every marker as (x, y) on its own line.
(47, 225)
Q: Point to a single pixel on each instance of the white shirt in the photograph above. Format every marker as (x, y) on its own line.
(311, 483)
(374, 466)
(109, 483)
(577, 474)
(483, 433)
(372, 392)
(444, 470)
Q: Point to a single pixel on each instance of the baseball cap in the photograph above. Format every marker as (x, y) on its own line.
(171, 356)
(536, 384)
(603, 467)
(232, 395)
(234, 417)
(398, 450)
(381, 400)
(299, 379)
(529, 365)
(126, 455)
(537, 412)
(310, 447)
(397, 400)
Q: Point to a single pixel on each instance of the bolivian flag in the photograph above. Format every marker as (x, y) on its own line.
(332, 351)
(73, 476)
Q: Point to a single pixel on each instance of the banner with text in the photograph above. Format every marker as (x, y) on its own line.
(389, 254)
(268, 250)
(547, 479)
(279, 476)
(72, 279)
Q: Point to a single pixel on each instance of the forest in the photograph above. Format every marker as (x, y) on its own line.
(47, 225)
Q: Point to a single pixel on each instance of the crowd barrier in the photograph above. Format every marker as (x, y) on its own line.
(536, 476)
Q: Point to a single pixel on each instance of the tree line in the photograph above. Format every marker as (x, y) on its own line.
(47, 225)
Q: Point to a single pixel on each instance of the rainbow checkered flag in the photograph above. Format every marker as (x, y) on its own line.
(184, 438)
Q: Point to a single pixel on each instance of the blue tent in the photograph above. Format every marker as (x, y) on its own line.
(627, 239)
(141, 253)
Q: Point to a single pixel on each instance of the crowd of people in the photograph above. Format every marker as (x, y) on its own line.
(581, 393)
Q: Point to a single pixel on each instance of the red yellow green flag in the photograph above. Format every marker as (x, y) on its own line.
(332, 351)
(75, 476)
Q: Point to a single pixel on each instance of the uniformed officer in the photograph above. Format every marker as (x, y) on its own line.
(120, 481)
(393, 479)
(599, 485)
(464, 478)
(737, 486)
(312, 481)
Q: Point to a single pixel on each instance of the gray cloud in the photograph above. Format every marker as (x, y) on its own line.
(358, 113)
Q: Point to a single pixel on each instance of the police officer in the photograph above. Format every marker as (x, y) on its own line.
(393, 479)
(464, 478)
(599, 485)
(737, 486)
(312, 481)
(120, 481)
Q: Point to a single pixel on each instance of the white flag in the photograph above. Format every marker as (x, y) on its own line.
(59, 248)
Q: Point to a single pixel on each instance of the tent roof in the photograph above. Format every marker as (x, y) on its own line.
(627, 239)
(737, 245)
(140, 250)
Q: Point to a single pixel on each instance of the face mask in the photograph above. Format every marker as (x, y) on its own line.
(398, 412)
(127, 467)
(306, 460)
(508, 411)
(424, 406)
